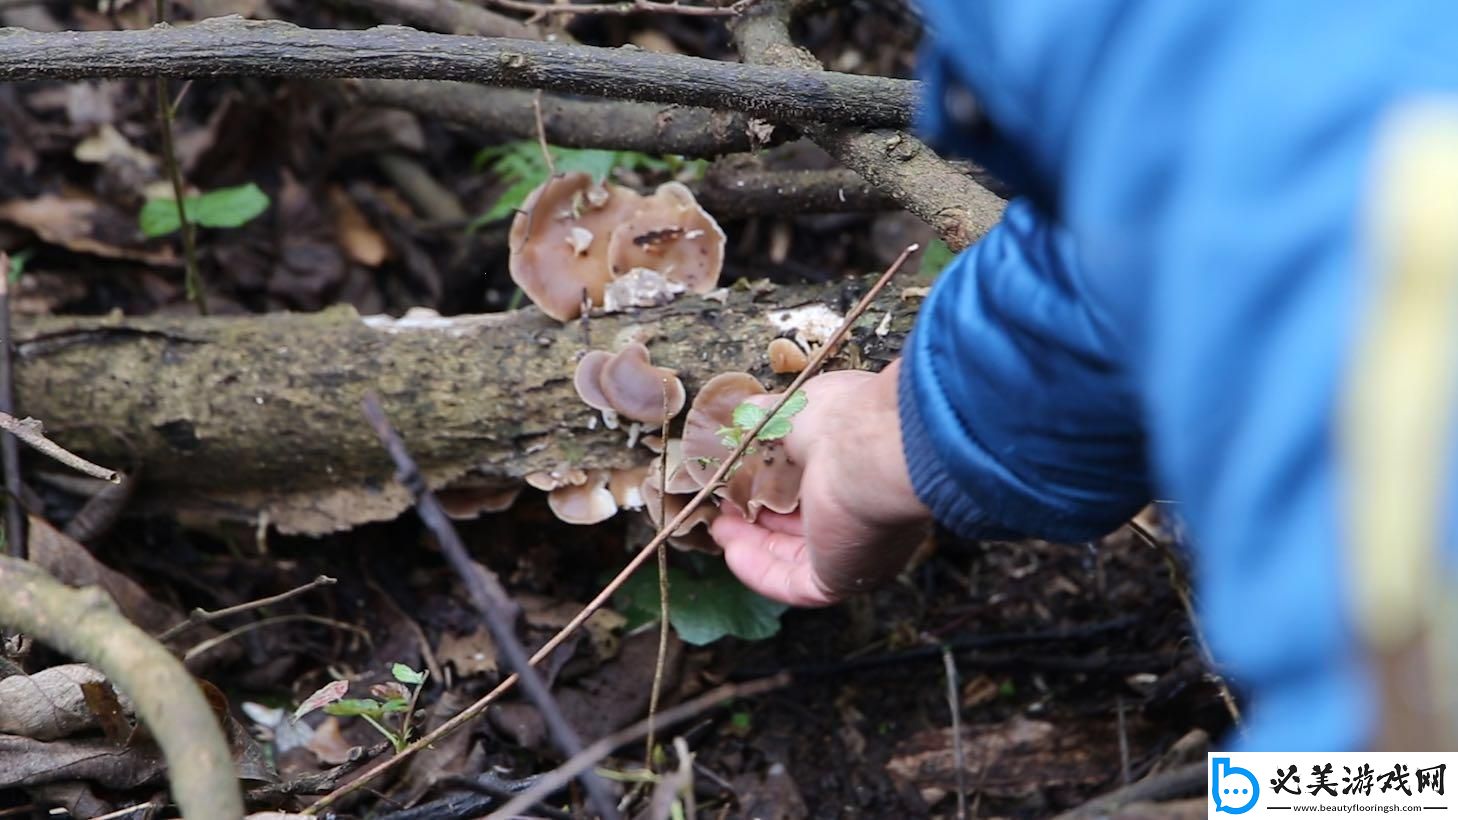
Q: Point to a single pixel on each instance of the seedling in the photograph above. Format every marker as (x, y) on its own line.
(747, 415)
(221, 208)
(394, 698)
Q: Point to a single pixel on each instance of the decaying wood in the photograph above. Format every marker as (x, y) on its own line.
(231, 46)
(261, 414)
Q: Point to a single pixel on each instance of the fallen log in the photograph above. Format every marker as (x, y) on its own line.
(259, 416)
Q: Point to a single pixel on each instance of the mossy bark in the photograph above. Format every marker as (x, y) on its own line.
(262, 414)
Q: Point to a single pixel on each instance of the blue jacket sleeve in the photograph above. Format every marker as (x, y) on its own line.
(1210, 160)
(1017, 418)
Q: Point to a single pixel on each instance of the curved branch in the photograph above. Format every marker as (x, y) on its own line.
(449, 16)
(897, 163)
(84, 624)
(230, 46)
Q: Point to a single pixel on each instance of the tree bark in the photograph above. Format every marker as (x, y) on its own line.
(242, 416)
(229, 46)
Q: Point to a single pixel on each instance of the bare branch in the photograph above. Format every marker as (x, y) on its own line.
(449, 16)
(625, 7)
(898, 164)
(203, 616)
(84, 624)
(32, 432)
(504, 113)
(230, 46)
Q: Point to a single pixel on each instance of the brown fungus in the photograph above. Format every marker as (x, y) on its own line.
(627, 383)
(559, 241)
(766, 478)
(466, 502)
(693, 533)
(786, 357)
(588, 503)
(671, 234)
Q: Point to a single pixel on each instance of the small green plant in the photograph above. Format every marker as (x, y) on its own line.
(936, 256)
(747, 416)
(221, 208)
(522, 167)
(706, 603)
(394, 698)
(17, 264)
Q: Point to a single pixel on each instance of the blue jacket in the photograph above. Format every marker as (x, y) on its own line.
(1171, 308)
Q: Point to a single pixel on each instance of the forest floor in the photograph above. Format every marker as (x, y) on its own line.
(1074, 669)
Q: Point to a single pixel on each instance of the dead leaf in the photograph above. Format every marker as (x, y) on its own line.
(49, 704)
(770, 795)
(108, 145)
(361, 241)
(101, 699)
(83, 225)
(470, 655)
(328, 743)
(28, 762)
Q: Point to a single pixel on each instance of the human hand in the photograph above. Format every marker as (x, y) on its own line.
(859, 518)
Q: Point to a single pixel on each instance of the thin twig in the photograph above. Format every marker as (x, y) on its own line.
(954, 704)
(128, 811)
(625, 7)
(542, 134)
(203, 616)
(9, 448)
(213, 642)
(32, 432)
(1176, 580)
(471, 712)
(489, 598)
(555, 779)
(658, 664)
(192, 279)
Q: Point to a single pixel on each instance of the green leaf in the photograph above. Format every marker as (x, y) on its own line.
(158, 218)
(936, 256)
(353, 707)
(779, 426)
(394, 705)
(405, 674)
(702, 608)
(594, 162)
(730, 436)
(222, 208)
(227, 207)
(747, 415)
(17, 264)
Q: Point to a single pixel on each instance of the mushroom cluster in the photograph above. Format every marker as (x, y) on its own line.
(575, 239)
(627, 384)
(766, 478)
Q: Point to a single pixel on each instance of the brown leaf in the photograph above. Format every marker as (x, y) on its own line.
(50, 704)
(28, 762)
(360, 240)
(83, 225)
(102, 701)
(326, 694)
(328, 743)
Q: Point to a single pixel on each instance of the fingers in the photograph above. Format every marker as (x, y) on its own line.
(774, 564)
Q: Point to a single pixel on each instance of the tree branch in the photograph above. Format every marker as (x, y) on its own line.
(506, 114)
(84, 624)
(229, 46)
(897, 163)
(448, 16)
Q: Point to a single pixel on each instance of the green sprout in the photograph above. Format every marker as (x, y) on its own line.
(391, 698)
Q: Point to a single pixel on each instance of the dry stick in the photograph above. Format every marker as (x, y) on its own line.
(489, 598)
(470, 712)
(657, 690)
(215, 641)
(32, 432)
(201, 616)
(9, 448)
(560, 776)
(625, 7)
(191, 278)
(954, 703)
(1181, 590)
(542, 133)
